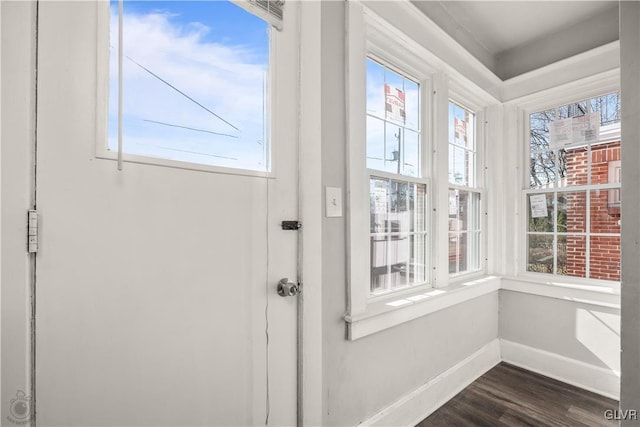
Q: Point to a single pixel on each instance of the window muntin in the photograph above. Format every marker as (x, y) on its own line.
(398, 191)
(195, 85)
(573, 210)
(464, 197)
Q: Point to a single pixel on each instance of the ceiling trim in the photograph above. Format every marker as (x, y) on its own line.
(584, 65)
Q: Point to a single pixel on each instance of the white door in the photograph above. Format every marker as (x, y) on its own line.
(156, 297)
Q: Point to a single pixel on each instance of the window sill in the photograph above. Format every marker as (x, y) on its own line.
(392, 312)
(601, 293)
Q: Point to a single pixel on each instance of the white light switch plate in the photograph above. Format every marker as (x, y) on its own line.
(333, 202)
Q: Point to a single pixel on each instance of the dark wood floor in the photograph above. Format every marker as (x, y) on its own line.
(511, 396)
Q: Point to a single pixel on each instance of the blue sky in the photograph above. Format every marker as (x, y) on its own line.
(215, 53)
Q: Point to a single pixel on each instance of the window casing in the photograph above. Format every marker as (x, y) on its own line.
(572, 203)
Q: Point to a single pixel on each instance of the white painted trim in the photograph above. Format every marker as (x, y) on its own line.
(596, 294)
(311, 207)
(439, 197)
(389, 313)
(599, 380)
(357, 183)
(421, 402)
(584, 88)
(601, 60)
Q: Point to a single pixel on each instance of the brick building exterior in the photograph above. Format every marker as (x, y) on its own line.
(604, 257)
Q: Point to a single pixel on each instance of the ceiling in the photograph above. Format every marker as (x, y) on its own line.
(513, 37)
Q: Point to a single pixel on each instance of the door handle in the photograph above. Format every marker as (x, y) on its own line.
(287, 288)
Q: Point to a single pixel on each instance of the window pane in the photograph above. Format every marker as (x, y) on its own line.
(475, 214)
(546, 168)
(194, 86)
(572, 212)
(604, 258)
(375, 88)
(417, 207)
(412, 96)
(379, 197)
(605, 217)
(417, 250)
(399, 215)
(473, 249)
(399, 261)
(572, 256)
(540, 253)
(411, 153)
(379, 264)
(393, 148)
(463, 252)
(461, 126)
(561, 255)
(460, 210)
(540, 211)
(577, 165)
(454, 242)
(461, 164)
(375, 143)
(539, 138)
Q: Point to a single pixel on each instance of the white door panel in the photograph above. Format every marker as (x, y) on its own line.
(152, 282)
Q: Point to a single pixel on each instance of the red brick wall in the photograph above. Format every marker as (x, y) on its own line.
(605, 251)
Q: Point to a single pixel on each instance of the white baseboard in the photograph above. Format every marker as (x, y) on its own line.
(420, 403)
(580, 374)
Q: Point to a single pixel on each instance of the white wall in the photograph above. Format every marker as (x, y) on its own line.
(17, 142)
(575, 342)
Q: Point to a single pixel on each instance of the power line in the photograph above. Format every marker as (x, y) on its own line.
(189, 128)
(179, 91)
(195, 152)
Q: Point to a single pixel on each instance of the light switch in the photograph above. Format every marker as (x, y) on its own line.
(333, 202)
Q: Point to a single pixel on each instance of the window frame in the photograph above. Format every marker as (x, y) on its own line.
(280, 125)
(370, 34)
(466, 102)
(589, 88)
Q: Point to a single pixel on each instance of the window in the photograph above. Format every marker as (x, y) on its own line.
(573, 226)
(195, 83)
(464, 197)
(398, 224)
(398, 190)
